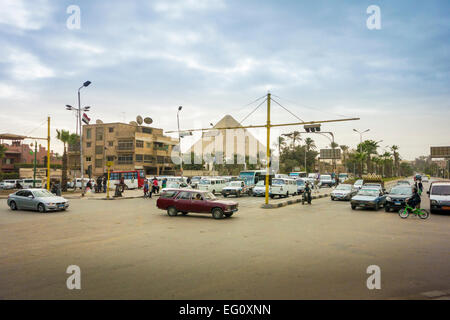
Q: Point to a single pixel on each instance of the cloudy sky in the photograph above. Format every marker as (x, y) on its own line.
(318, 59)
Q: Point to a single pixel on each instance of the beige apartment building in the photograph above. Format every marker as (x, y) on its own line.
(128, 146)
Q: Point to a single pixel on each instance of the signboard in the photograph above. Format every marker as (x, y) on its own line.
(440, 152)
(328, 154)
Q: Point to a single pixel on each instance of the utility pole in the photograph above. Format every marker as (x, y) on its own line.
(34, 169)
(268, 150)
(48, 153)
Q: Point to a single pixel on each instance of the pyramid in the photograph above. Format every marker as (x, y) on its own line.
(242, 140)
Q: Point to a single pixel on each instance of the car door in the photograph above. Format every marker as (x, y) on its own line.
(19, 199)
(28, 201)
(198, 203)
(183, 201)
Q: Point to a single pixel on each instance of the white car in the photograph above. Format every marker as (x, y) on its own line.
(282, 187)
(259, 190)
(28, 183)
(5, 185)
(343, 192)
(439, 194)
(326, 180)
(358, 184)
(425, 179)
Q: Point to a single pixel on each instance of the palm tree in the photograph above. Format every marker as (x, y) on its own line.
(360, 157)
(280, 144)
(66, 138)
(396, 155)
(310, 145)
(344, 149)
(370, 147)
(386, 155)
(295, 137)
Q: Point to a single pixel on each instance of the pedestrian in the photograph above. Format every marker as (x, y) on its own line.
(155, 186)
(164, 183)
(105, 183)
(99, 184)
(189, 181)
(145, 188)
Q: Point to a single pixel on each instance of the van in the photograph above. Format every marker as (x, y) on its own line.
(214, 185)
(28, 183)
(282, 187)
(439, 194)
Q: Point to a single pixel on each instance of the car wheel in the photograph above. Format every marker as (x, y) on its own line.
(172, 211)
(332, 199)
(225, 196)
(214, 192)
(228, 215)
(353, 207)
(272, 196)
(217, 213)
(13, 205)
(387, 209)
(287, 194)
(41, 208)
(238, 194)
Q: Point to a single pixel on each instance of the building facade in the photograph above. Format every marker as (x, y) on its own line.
(127, 146)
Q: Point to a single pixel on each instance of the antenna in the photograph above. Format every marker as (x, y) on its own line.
(139, 120)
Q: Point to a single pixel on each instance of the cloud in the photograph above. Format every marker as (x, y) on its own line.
(24, 15)
(177, 8)
(26, 66)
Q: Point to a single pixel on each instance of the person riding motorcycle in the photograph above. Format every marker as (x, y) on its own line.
(307, 193)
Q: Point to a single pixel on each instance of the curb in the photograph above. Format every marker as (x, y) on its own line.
(289, 202)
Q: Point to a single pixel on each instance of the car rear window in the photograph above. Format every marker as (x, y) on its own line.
(168, 194)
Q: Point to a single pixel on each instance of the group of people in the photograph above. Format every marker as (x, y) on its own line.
(152, 186)
(99, 186)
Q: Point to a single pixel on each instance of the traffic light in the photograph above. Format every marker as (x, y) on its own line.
(312, 127)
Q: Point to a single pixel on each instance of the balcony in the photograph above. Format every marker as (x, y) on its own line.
(161, 148)
(125, 148)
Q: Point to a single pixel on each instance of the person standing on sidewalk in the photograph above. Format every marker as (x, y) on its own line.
(105, 183)
(146, 188)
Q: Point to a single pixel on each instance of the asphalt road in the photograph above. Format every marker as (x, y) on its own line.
(128, 249)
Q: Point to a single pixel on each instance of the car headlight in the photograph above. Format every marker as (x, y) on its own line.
(389, 199)
(50, 204)
(434, 202)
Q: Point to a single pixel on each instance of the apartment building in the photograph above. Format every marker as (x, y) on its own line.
(128, 146)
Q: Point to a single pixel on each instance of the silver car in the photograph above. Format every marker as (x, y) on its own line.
(36, 199)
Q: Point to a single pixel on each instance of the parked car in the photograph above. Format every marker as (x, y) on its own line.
(404, 182)
(176, 185)
(36, 199)
(439, 194)
(368, 197)
(236, 188)
(259, 190)
(343, 177)
(28, 183)
(14, 182)
(326, 180)
(5, 185)
(194, 201)
(282, 187)
(395, 199)
(358, 184)
(425, 179)
(212, 185)
(301, 183)
(343, 192)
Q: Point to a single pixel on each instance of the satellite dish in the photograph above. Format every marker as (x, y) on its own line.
(148, 120)
(98, 121)
(133, 123)
(139, 120)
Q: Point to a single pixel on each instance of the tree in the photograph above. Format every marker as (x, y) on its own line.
(310, 145)
(280, 144)
(67, 139)
(396, 155)
(2, 153)
(344, 149)
(294, 137)
(360, 158)
(370, 148)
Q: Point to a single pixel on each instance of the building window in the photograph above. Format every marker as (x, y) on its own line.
(110, 129)
(110, 158)
(88, 144)
(146, 130)
(98, 149)
(160, 159)
(139, 158)
(110, 143)
(98, 163)
(139, 144)
(148, 158)
(88, 159)
(125, 159)
(99, 133)
(88, 134)
(125, 145)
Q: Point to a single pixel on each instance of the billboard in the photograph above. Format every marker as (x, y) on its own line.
(328, 153)
(440, 152)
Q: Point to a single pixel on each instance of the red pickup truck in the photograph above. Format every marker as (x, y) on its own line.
(195, 201)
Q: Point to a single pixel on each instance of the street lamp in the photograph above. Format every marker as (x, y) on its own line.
(360, 145)
(179, 138)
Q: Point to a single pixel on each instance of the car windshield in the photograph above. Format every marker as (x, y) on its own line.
(234, 184)
(441, 190)
(359, 182)
(209, 196)
(343, 175)
(42, 194)
(405, 191)
(344, 187)
(300, 182)
(173, 185)
(369, 192)
(325, 177)
(260, 183)
(277, 181)
(205, 182)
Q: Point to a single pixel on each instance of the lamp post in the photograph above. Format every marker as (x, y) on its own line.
(179, 138)
(79, 109)
(360, 146)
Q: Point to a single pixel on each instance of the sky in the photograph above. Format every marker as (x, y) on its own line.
(317, 58)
